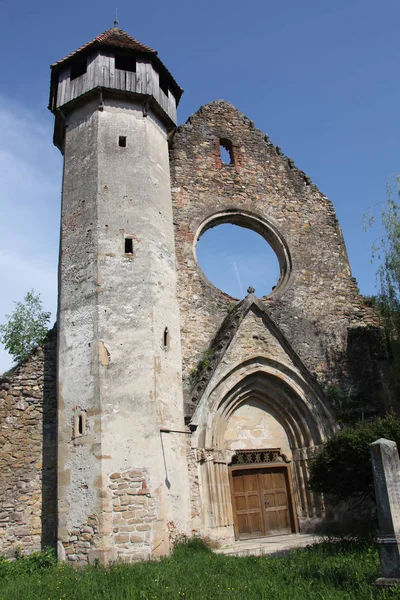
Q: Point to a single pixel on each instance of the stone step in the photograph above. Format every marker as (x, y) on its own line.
(269, 545)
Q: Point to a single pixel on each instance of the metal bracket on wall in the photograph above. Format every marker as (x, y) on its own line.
(175, 431)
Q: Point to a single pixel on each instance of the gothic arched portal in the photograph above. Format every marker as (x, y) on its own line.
(261, 384)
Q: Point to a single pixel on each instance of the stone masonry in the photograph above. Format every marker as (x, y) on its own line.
(163, 380)
(28, 453)
(316, 303)
(321, 332)
(133, 513)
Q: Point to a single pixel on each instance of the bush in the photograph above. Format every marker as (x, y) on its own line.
(342, 469)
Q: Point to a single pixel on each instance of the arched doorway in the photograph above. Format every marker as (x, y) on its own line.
(259, 405)
(259, 473)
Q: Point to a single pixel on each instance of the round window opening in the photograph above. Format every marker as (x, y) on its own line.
(235, 257)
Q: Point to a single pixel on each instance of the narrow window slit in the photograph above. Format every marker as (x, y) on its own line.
(166, 338)
(122, 141)
(128, 246)
(79, 424)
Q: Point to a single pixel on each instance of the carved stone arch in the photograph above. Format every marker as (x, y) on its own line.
(310, 408)
(290, 416)
(293, 403)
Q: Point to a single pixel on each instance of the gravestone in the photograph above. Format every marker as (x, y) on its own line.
(386, 471)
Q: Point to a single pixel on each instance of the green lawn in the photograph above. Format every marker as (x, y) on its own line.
(329, 571)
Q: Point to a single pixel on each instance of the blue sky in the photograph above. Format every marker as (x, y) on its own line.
(321, 78)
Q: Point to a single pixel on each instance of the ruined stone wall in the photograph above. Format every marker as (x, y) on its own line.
(316, 303)
(28, 453)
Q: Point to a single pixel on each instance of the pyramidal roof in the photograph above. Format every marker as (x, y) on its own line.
(112, 37)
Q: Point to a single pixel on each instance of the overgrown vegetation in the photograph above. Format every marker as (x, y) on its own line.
(386, 250)
(26, 327)
(344, 570)
(231, 307)
(203, 363)
(334, 394)
(342, 469)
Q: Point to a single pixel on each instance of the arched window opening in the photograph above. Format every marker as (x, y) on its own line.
(226, 151)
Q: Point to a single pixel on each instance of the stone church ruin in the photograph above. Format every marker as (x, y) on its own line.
(160, 406)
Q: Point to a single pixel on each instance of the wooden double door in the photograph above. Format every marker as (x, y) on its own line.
(262, 502)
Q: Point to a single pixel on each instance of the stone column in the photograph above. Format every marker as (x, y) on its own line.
(385, 467)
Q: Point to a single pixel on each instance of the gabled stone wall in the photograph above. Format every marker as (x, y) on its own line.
(316, 303)
(28, 428)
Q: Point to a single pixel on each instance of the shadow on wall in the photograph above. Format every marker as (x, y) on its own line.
(49, 432)
(362, 381)
(356, 516)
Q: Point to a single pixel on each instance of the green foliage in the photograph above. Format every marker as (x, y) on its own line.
(192, 375)
(343, 468)
(203, 363)
(206, 359)
(341, 570)
(231, 307)
(26, 328)
(27, 563)
(386, 249)
(334, 394)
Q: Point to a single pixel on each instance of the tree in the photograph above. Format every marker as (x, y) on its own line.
(386, 249)
(342, 469)
(26, 328)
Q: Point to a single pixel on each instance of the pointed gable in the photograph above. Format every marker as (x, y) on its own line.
(248, 331)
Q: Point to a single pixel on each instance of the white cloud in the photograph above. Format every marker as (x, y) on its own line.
(30, 187)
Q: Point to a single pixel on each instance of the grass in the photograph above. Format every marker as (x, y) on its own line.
(342, 570)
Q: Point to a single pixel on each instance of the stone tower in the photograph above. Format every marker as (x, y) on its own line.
(122, 484)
